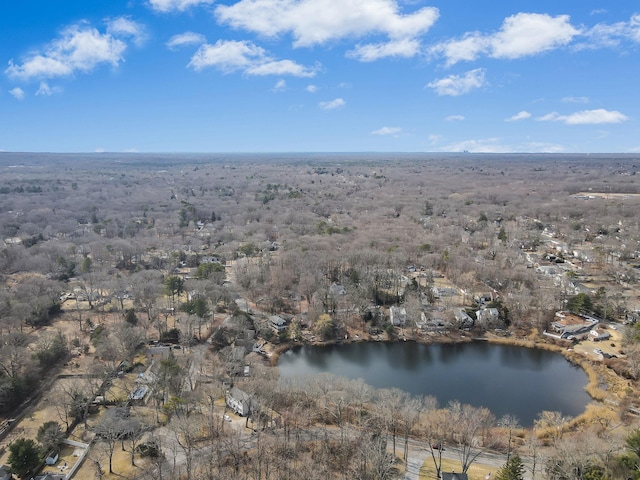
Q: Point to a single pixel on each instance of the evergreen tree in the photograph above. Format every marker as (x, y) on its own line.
(24, 456)
(512, 470)
(131, 318)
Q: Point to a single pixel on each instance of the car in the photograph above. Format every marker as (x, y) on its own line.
(438, 446)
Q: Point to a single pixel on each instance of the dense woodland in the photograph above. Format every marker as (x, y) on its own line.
(168, 245)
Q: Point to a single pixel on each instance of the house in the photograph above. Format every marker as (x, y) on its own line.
(160, 352)
(398, 316)
(463, 318)
(599, 334)
(569, 324)
(277, 323)
(209, 259)
(5, 473)
(454, 476)
(336, 290)
(139, 394)
(487, 316)
(484, 298)
(239, 401)
(444, 291)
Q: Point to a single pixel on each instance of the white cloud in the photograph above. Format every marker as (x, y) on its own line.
(332, 104)
(487, 145)
(315, 22)
(541, 147)
(521, 35)
(523, 115)
(527, 34)
(575, 100)
(184, 39)
(455, 85)
(612, 35)
(281, 67)
(406, 48)
(17, 93)
(312, 88)
(385, 131)
(179, 5)
(586, 117)
(280, 86)
(100, 150)
(230, 56)
(434, 138)
(495, 145)
(454, 118)
(124, 27)
(79, 49)
(44, 90)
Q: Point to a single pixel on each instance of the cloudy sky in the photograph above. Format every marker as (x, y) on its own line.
(319, 75)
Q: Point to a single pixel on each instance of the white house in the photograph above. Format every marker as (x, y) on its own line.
(277, 323)
(239, 401)
(463, 318)
(487, 316)
(398, 316)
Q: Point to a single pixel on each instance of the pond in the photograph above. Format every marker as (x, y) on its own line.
(504, 378)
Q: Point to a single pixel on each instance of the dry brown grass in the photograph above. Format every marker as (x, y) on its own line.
(477, 471)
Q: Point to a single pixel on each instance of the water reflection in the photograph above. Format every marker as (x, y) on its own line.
(504, 378)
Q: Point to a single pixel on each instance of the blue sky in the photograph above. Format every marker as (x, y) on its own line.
(319, 75)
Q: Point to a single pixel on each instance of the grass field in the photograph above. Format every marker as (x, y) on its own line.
(476, 471)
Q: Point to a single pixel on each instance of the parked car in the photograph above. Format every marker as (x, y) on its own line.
(438, 446)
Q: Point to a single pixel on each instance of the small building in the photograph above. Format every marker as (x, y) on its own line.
(487, 316)
(139, 394)
(398, 316)
(52, 458)
(239, 401)
(335, 290)
(277, 323)
(599, 334)
(160, 352)
(463, 318)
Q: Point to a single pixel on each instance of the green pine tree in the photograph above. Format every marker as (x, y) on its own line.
(512, 470)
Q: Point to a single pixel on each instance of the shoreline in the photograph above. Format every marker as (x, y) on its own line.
(596, 372)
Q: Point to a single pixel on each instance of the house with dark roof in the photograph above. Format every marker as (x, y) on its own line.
(454, 476)
(277, 323)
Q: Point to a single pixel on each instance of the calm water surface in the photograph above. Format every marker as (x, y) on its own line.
(505, 379)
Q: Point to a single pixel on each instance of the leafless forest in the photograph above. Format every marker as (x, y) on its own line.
(106, 255)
